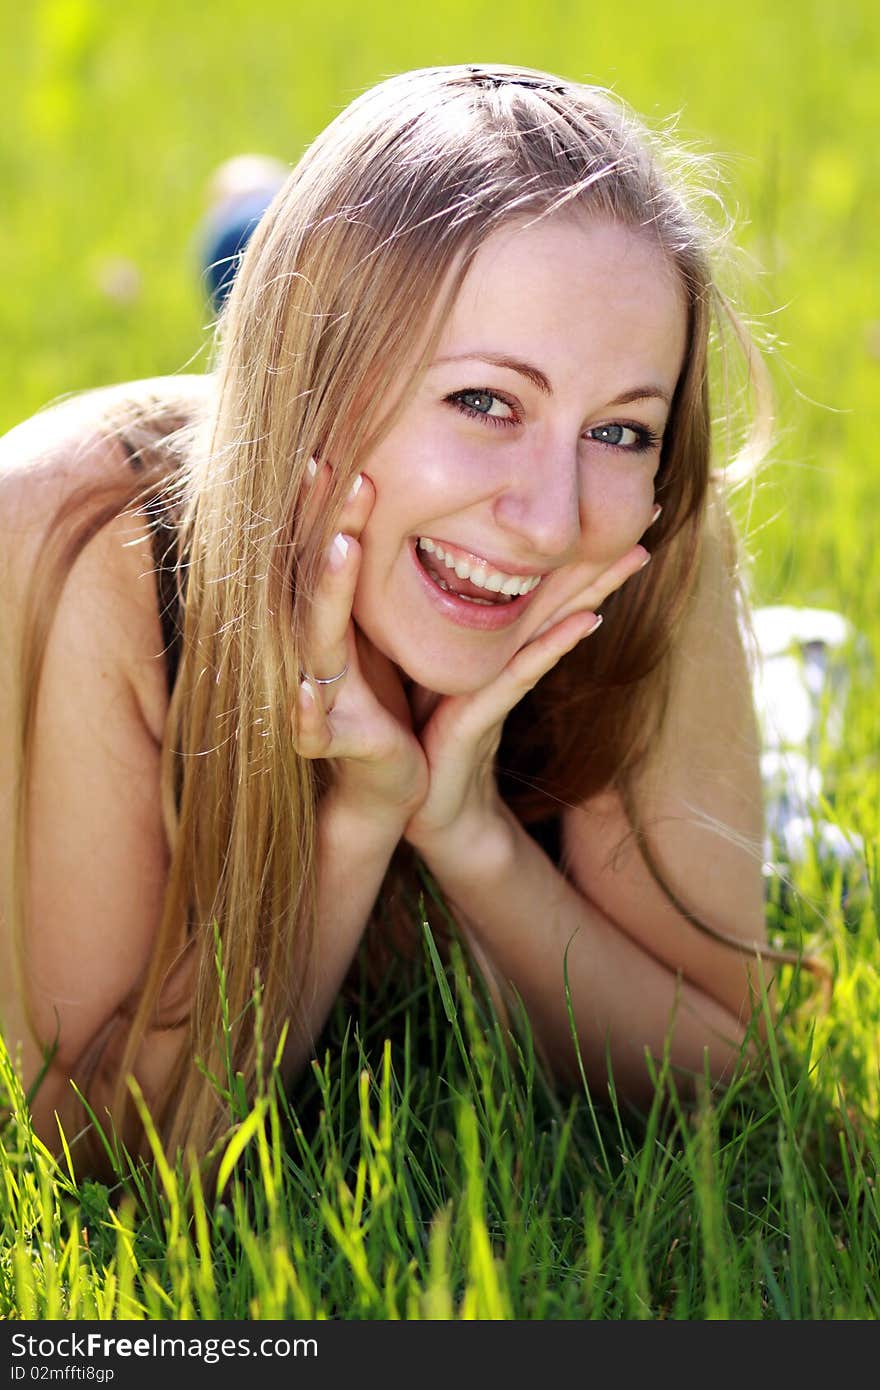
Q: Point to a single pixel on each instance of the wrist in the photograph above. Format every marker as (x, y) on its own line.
(361, 820)
(388, 789)
(472, 847)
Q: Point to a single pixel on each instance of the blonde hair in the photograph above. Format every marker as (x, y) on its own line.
(359, 255)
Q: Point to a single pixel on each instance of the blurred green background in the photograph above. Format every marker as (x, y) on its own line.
(115, 116)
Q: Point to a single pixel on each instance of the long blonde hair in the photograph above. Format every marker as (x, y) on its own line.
(358, 257)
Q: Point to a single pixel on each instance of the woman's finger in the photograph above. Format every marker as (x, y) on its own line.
(330, 615)
(593, 595)
(312, 735)
(314, 493)
(331, 606)
(486, 709)
(356, 507)
(533, 661)
(597, 590)
(330, 612)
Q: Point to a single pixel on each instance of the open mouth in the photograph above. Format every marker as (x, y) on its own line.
(472, 580)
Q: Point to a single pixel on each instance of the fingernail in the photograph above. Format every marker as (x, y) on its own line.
(657, 510)
(646, 561)
(312, 469)
(598, 623)
(356, 487)
(339, 549)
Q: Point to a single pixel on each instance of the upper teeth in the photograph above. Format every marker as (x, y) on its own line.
(479, 573)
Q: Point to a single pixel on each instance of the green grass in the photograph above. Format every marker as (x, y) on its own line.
(426, 1170)
(423, 1170)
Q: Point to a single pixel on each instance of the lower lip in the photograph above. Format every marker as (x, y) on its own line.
(481, 617)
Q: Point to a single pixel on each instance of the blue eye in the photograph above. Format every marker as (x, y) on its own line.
(485, 405)
(632, 438)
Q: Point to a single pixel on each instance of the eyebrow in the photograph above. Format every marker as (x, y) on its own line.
(542, 382)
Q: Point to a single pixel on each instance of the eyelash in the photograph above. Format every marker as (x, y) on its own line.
(647, 439)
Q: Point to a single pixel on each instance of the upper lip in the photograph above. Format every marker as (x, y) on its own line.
(502, 566)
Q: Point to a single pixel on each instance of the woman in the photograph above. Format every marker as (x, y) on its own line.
(460, 400)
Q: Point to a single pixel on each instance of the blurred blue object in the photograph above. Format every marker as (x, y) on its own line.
(224, 246)
(239, 192)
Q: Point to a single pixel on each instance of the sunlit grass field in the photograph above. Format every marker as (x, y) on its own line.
(425, 1169)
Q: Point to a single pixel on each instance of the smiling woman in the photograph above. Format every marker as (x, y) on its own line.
(513, 463)
(282, 632)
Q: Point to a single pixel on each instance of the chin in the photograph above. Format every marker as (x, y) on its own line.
(444, 677)
(445, 686)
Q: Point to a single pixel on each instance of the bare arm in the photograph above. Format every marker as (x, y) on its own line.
(354, 849)
(533, 924)
(699, 804)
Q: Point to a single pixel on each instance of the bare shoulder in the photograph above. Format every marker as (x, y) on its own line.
(74, 447)
(698, 801)
(74, 441)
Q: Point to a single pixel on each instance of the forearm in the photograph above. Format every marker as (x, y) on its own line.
(533, 924)
(354, 849)
(57, 1105)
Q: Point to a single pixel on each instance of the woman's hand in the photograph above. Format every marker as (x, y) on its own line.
(461, 737)
(362, 721)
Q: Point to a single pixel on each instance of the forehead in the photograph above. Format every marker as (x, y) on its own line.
(568, 281)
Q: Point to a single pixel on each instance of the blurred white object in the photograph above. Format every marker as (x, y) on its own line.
(802, 667)
(801, 685)
(800, 691)
(242, 176)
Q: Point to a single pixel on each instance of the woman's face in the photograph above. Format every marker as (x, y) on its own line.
(528, 448)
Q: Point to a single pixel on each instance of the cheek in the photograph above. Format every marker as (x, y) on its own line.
(617, 503)
(431, 476)
(425, 469)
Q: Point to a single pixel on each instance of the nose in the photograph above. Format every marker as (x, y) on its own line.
(541, 503)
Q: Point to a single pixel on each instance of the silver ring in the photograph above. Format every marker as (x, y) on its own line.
(331, 680)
